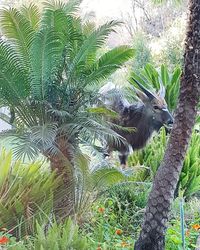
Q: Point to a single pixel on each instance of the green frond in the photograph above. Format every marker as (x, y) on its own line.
(69, 8)
(18, 29)
(90, 45)
(64, 24)
(103, 111)
(32, 14)
(24, 148)
(105, 177)
(13, 77)
(90, 129)
(46, 56)
(44, 136)
(28, 144)
(56, 19)
(88, 28)
(110, 62)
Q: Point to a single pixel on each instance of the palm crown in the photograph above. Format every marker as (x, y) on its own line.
(50, 72)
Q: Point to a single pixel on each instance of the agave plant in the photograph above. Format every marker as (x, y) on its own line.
(190, 175)
(57, 237)
(50, 70)
(26, 194)
(149, 159)
(152, 78)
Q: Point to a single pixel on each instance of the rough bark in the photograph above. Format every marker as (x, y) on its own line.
(152, 235)
(62, 163)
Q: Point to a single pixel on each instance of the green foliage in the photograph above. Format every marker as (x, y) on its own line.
(173, 237)
(90, 184)
(191, 225)
(25, 194)
(154, 79)
(50, 73)
(190, 175)
(60, 237)
(57, 237)
(142, 52)
(152, 155)
(119, 211)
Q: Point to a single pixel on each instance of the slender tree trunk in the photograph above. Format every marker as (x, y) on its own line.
(62, 163)
(152, 235)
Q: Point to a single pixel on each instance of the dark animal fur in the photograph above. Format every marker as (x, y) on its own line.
(140, 117)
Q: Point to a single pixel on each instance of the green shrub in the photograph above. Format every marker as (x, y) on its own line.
(119, 211)
(150, 77)
(152, 155)
(142, 52)
(190, 175)
(58, 237)
(25, 194)
(127, 202)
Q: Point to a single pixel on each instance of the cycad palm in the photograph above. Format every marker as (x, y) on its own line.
(49, 76)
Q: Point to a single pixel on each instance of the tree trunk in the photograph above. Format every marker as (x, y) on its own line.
(62, 163)
(152, 235)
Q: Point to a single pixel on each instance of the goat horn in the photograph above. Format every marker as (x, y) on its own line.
(162, 90)
(146, 91)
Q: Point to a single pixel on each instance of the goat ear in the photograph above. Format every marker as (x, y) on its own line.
(142, 96)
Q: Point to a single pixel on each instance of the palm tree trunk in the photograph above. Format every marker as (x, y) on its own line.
(62, 163)
(152, 235)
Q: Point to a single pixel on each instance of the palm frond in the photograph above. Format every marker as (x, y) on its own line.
(109, 63)
(4, 117)
(44, 136)
(32, 14)
(46, 55)
(105, 177)
(103, 111)
(18, 29)
(94, 41)
(24, 148)
(39, 139)
(90, 129)
(13, 77)
(9, 133)
(88, 28)
(69, 8)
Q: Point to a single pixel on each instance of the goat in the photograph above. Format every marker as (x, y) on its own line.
(146, 116)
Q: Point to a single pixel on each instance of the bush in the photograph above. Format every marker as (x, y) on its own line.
(25, 194)
(152, 155)
(142, 52)
(58, 237)
(115, 219)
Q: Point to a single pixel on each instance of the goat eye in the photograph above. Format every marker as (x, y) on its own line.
(156, 107)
